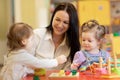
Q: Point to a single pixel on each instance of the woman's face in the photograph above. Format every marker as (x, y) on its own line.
(60, 23)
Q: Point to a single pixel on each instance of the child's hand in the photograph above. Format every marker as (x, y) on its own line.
(74, 66)
(96, 65)
(61, 59)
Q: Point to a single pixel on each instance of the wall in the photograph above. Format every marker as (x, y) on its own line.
(94, 9)
(42, 12)
(4, 23)
(28, 12)
(3, 19)
(115, 21)
(33, 12)
(24, 11)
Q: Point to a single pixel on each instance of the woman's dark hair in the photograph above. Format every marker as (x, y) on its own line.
(73, 31)
(16, 34)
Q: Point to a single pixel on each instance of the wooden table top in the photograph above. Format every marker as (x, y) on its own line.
(82, 76)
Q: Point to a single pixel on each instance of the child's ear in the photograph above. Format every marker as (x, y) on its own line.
(24, 42)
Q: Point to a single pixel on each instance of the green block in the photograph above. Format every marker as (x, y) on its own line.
(74, 72)
(36, 78)
(116, 70)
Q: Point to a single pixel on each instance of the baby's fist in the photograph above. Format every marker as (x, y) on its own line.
(61, 59)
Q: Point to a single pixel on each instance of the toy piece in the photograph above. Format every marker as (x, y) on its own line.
(100, 62)
(64, 75)
(74, 72)
(62, 72)
(101, 70)
(109, 66)
(39, 72)
(67, 72)
(36, 77)
(115, 61)
(83, 68)
(116, 70)
(92, 69)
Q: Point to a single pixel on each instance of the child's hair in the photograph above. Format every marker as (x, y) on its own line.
(93, 26)
(16, 34)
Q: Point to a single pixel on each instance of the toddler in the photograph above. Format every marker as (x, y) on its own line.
(92, 36)
(19, 62)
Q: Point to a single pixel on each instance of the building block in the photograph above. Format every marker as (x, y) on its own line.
(67, 75)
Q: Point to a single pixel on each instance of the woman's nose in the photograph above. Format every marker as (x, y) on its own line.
(60, 24)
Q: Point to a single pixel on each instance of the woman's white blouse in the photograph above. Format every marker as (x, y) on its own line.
(45, 48)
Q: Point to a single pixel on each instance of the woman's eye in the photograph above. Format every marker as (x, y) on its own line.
(57, 19)
(66, 22)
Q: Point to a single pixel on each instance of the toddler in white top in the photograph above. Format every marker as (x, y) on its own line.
(19, 62)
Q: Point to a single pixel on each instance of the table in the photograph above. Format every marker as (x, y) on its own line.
(83, 76)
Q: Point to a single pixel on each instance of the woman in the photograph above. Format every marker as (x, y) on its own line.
(61, 36)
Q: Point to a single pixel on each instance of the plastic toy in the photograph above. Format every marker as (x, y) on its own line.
(40, 72)
(36, 77)
(65, 75)
(106, 70)
(112, 72)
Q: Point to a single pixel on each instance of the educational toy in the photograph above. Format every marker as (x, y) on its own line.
(64, 75)
(113, 72)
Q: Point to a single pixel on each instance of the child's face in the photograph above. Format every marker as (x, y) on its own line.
(89, 42)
